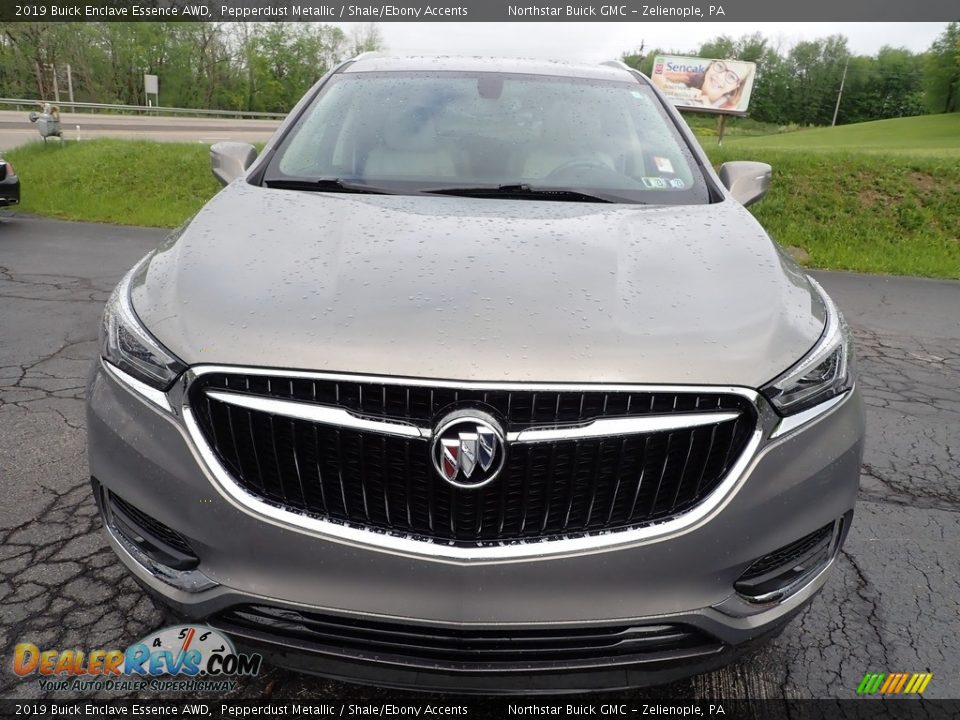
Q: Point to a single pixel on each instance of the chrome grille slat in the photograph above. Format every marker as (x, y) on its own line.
(703, 467)
(236, 446)
(683, 471)
(320, 483)
(406, 457)
(639, 485)
(296, 460)
(550, 483)
(256, 452)
(386, 476)
(663, 473)
(559, 485)
(572, 484)
(597, 469)
(727, 457)
(343, 489)
(276, 458)
(362, 457)
(616, 487)
(526, 490)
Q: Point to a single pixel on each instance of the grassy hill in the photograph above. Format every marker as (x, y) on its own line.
(126, 182)
(881, 197)
(927, 135)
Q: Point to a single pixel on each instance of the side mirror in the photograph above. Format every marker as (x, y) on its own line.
(747, 181)
(230, 160)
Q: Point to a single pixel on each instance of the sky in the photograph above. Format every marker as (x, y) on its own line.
(598, 41)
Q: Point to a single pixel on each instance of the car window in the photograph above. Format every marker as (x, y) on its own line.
(413, 131)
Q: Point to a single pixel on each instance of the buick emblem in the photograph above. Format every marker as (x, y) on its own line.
(468, 449)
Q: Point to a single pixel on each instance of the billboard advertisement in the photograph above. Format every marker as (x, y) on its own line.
(719, 86)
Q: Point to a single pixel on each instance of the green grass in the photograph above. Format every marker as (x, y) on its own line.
(880, 197)
(705, 126)
(897, 214)
(934, 136)
(114, 181)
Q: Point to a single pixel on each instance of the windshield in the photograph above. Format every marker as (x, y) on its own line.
(411, 132)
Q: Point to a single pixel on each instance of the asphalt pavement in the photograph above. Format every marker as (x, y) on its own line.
(892, 605)
(16, 128)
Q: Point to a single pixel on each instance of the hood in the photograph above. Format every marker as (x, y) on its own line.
(479, 289)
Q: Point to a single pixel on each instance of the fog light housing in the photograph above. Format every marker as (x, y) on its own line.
(158, 549)
(776, 575)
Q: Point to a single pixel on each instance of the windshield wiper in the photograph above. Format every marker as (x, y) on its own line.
(325, 185)
(524, 191)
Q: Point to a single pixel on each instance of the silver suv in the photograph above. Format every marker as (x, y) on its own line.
(478, 379)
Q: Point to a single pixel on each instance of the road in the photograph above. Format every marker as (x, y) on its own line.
(892, 605)
(16, 128)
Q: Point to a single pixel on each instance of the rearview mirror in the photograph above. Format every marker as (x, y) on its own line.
(747, 181)
(230, 160)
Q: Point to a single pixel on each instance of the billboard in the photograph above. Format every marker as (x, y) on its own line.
(718, 86)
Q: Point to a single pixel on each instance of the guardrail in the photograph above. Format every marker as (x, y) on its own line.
(20, 103)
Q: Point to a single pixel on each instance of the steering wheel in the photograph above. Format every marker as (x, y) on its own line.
(580, 164)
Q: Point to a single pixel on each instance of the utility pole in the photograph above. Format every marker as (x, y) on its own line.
(70, 81)
(840, 94)
(56, 89)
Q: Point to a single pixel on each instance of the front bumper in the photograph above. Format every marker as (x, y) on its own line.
(562, 678)
(794, 485)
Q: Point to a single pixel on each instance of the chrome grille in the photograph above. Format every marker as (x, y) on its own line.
(546, 490)
(422, 404)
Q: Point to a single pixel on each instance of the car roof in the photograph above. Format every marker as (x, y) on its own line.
(374, 62)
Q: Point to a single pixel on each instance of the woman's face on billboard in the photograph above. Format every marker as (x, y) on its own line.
(719, 80)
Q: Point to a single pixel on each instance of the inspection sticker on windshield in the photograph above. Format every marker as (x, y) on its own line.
(654, 183)
(663, 164)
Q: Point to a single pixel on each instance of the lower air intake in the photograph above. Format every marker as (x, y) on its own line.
(478, 649)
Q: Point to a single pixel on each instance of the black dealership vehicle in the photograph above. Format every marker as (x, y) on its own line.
(478, 378)
(9, 184)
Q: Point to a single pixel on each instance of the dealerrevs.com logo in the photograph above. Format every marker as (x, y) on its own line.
(181, 657)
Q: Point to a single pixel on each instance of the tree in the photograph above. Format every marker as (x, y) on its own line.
(886, 86)
(942, 72)
(723, 47)
(237, 66)
(365, 38)
(634, 58)
(285, 59)
(31, 50)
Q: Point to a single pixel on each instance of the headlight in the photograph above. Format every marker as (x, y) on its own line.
(126, 344)
(826, 371)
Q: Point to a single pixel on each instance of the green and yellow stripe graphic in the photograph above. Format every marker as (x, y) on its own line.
(894, 683)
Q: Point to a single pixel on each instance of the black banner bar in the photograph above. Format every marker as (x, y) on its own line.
(477, 11)
(524, 708)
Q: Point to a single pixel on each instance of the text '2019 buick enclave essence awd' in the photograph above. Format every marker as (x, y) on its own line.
(478, 378)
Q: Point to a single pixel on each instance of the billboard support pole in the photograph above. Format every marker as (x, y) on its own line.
(721, 124)
(843, 79)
